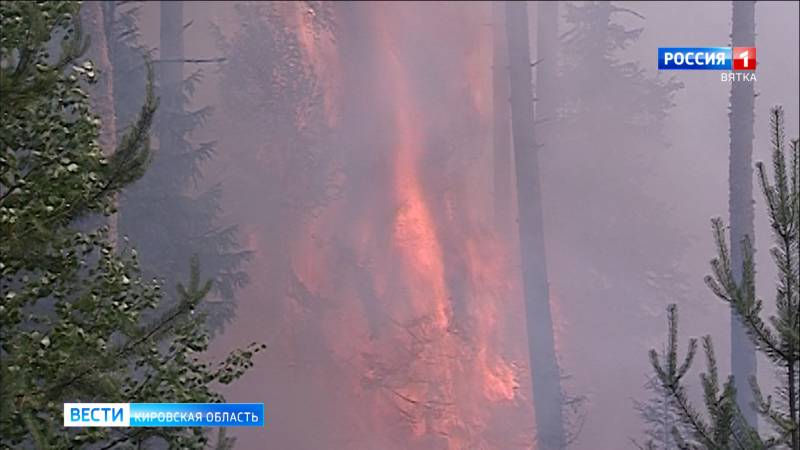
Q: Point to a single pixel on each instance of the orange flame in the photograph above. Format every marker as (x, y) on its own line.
(320, 53)
(436, 378)
(414, 230)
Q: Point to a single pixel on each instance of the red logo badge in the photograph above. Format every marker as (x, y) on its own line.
(744, 58)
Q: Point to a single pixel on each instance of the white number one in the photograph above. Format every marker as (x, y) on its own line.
(745, 55)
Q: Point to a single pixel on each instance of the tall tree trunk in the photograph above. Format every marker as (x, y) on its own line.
(171, 77)
(545, 374)
(546, 55)
(501, 125)
(102, 93)
(740, 202)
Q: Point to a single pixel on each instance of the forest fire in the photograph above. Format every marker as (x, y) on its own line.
(397, 286)
(400, 280)
(319, 52)
(414, 231)
(364, 225)
(423, 314)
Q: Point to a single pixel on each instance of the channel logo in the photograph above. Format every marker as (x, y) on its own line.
(163, 414)
(744, 58)
(707, 58)
(97, 414)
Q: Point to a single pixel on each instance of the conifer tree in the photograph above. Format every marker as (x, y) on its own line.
(73, 299)
(606, 106)
(165, 212)
(776, 337)
(102, 92)
(657, 412)
(280, 139)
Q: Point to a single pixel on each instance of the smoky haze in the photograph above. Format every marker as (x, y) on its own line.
(354, 151)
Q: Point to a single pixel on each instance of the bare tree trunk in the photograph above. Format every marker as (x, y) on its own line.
(546, 55)
(743, 355)
(501, 125)
(546, 377)
(171, 77)
(102, 93)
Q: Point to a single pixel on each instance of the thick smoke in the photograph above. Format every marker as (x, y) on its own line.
(356, 158)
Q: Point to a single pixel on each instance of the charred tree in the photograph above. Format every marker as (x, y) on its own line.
(740, 201)
(501, 124)
(546, 377)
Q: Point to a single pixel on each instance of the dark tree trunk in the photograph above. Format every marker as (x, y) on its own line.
(546, 55)
(743, 355)
(501, 125)
(546, 377)
(170, 73)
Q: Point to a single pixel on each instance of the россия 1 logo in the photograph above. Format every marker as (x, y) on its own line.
(739, 63)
